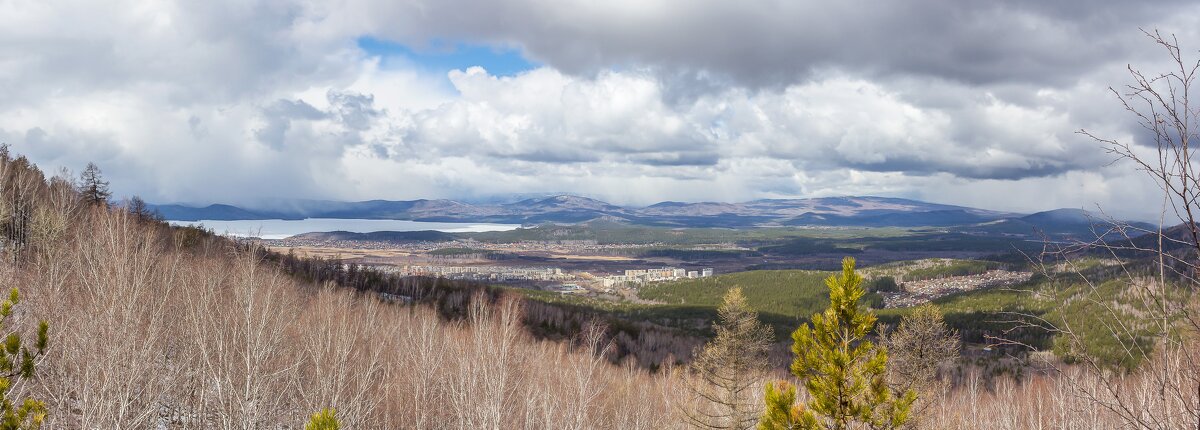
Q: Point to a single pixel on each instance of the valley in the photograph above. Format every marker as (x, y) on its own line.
(673, 277)
(594, 257)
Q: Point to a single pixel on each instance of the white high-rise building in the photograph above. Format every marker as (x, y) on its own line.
(708, 271)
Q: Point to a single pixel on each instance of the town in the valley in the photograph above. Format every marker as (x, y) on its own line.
(589, 268)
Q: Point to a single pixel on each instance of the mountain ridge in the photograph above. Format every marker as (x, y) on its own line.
(842, 211)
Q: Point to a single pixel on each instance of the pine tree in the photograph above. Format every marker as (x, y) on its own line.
(725, 371)
(324, 420)
(843, 373)
(93, 187)
(16, 361)
(782, 410)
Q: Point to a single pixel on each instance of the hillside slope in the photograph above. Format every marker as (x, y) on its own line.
(160, 327)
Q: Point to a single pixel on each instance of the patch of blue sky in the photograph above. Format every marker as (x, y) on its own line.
(441, 57)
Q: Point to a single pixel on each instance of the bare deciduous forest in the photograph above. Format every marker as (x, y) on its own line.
(154, 327)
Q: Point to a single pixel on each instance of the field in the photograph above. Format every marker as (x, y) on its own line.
(340, 253)
(450, 252)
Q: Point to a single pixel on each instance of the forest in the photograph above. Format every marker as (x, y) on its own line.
(147, 325)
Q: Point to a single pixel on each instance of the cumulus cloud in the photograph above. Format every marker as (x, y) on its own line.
(635, 101)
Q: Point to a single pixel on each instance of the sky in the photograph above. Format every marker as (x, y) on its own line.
(630, 101)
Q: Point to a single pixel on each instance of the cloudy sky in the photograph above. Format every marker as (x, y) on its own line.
(631, 101)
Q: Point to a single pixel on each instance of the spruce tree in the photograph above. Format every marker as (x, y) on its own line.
(17, 362)
(93, 187)
(842, 371)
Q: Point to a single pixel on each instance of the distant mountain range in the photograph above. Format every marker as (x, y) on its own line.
(824, 211)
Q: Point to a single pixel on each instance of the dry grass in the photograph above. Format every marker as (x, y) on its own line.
(589, 257)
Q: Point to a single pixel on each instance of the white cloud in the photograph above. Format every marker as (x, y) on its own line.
(638, 101)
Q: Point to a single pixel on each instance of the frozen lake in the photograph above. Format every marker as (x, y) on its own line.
(280, 229)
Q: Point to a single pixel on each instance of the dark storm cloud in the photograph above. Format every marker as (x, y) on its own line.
(677, 159)
(772, 43)
(550, 155)
(1028, 168)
